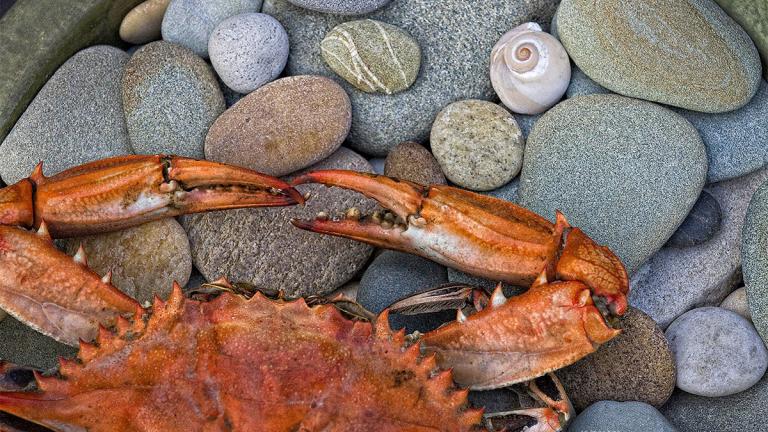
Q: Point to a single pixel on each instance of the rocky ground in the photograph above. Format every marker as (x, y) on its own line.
(653, 139)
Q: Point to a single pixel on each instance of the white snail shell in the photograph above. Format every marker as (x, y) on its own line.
(530, 69)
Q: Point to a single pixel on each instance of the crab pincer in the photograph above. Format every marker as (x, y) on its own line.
(474, 233)
(125, 191)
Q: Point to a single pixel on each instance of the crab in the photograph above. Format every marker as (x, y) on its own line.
(232, 361)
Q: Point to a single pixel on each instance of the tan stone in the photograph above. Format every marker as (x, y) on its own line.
(411, 161)
(142, 23)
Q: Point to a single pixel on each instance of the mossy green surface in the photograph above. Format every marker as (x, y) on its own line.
(752, 15)
(37, 36)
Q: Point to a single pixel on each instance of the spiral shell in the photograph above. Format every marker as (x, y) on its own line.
(530, 69)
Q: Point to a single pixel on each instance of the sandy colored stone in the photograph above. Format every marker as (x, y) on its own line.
(637, 365)
(478, 144)
(283, 126)
(685, 53)
(372, 55)
(145, 260)
(412, 161)
(261, 247)
(142, 24)
(737, 302)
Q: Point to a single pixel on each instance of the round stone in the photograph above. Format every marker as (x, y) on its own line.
(478, 144)
(605, 161)
(620, 417)
(248, 51)
(282, 127)
(142, 24)
(191, 22)
(372, 55)
(411, 161)
(754, 257)
(145, 260)
(636, 365)
(752, 16)
(395, 275)
(378, 165)
(341, 7)
(717, 352)
(261, 247)
(456, 39)
(737, 302)
(171, 98)
(76, 117)
(708, 64)
(702, 223)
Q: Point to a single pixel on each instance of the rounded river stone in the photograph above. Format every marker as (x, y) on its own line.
(456, 38)
(701, 224)
(754, 257)
(145, 260)
(341, 7)
(753, 17)
(191, 22)
(372, 55)
(636, 365)
(413, 162)
(737, 302)
(625, 171)
(717, 352)
(282, 127)
(686, 53)
(171, 98)
(142, 24)
(260, 246)
(604, 416)
(76, 117)
(478, 144)
(248, 51)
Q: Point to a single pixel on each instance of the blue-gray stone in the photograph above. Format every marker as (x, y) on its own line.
(190, 22)
(625, 171)
(737, 141)
(456, 40)
(394, 275)
(605, 416)
(701, 224)
(526, 122)
(754, 258)
(341, 7)
(76, 117)
(582, 85)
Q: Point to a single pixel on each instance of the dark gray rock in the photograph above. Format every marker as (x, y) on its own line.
(394, 275)
(26, 347)
(625, 171)
(717, 352)
(621, 417)
(456, 39)
(76, 117)
(702, 223)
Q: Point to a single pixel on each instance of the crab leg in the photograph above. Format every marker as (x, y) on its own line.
(474, 233)
(124, 191)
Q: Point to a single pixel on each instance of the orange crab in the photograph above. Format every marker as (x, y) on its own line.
(273, 365)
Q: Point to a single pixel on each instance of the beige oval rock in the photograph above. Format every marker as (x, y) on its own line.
(686, 53)
(145, 260)
(282, 127)
(260, 246)
(412, 161)
(142, 23)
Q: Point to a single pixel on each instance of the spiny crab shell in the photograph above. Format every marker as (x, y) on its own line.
(237, 364)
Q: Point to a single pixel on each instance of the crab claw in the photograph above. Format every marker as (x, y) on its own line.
(474, 233)
(124, 191)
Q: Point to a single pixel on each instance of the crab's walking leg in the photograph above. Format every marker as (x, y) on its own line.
(124, 191)
(474, 233)
(52, 292)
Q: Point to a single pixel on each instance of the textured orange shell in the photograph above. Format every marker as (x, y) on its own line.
(246, 365)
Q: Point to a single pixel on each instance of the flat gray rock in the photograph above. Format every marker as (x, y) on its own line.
(76, 117)
(701, 224)
(621, 417)
(394, 275)
(248, 51)
(582, 85)
(456, 39)
(171, 98)
(190, 22)
(675, 280)
(625, 171)
(260, 246)
(754, 257)
(717, 352)
(26, 347)
(341, 7)
(736, 413)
